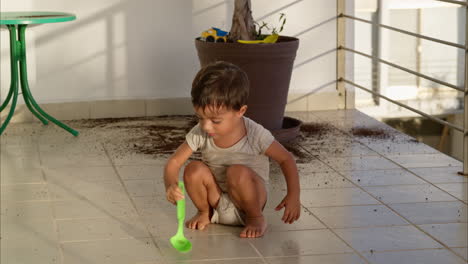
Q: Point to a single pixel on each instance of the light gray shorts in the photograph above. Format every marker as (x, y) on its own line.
(226, 212)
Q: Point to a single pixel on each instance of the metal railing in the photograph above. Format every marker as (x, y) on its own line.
(341, 77)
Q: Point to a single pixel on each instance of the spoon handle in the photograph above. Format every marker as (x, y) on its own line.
(181, 204)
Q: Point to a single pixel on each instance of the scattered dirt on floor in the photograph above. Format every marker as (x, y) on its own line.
(160, 139)
(415, 141)
(155, 136)
(375, 133)
(378, 134)
(316, 130)
(161, 135)
(301, 155)
(102, 122)
(313, 135)
(320, 140)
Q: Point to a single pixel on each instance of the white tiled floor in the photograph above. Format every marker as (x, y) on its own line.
(67, 200)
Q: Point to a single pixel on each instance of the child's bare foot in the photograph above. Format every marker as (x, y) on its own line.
(254, 227)
(199, 221)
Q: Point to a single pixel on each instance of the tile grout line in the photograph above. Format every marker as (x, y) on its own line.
(326, 226)
(340, 238)
(385, 185)
(311, 255)
(399, 165)
(52, 209)
(420, 229)
(379, 154)
(258, 252)
(211, 260)
(328, 206)
(368, 205)
(102, 239)
(133, 203)
(411, 172)
(390, 208)
(264, 258)
(367, 185)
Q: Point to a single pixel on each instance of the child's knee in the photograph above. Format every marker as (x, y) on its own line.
(193, 171)
(238, 175)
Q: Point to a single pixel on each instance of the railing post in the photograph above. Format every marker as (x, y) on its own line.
(465, 99)
(341, 53)
(376, 19)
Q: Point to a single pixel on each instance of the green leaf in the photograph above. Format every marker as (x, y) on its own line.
(282, 20)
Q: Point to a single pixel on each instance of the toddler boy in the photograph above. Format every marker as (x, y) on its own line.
(229, 185)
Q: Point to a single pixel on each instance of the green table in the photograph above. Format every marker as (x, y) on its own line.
(16, 23)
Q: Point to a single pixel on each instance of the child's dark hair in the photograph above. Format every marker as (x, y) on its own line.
(220, 84)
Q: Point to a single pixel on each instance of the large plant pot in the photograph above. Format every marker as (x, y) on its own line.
(268, 67)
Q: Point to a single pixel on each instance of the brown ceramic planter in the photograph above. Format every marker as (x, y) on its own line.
(269, 68)
(290, 130)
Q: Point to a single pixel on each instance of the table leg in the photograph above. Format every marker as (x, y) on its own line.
(21, 55)
(7, 100)
(14, 79)
(28, 98)
(15, 57)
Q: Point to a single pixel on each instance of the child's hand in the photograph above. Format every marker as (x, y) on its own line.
(292, 209)
(174, 193)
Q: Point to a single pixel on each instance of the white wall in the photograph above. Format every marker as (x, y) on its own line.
(114, 50)
(144, 49)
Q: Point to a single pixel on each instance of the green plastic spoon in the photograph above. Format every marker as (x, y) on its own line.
(179, 241)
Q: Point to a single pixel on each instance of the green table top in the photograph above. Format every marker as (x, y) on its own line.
(23, 18)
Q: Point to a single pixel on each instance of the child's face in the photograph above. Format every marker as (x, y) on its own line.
(219, 122)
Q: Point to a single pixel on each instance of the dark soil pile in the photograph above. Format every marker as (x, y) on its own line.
(162, 135)
(323, 140)
(316, 130)
(103, 122)
(160, 139)
(376, 133)
(312, 135)
(302, 156)
(156, 136)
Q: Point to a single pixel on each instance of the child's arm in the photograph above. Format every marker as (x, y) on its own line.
(171, 172)
(291, 201)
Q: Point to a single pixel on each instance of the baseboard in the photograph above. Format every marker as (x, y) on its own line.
(155, 107)
(317, 101)
(106, 109)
